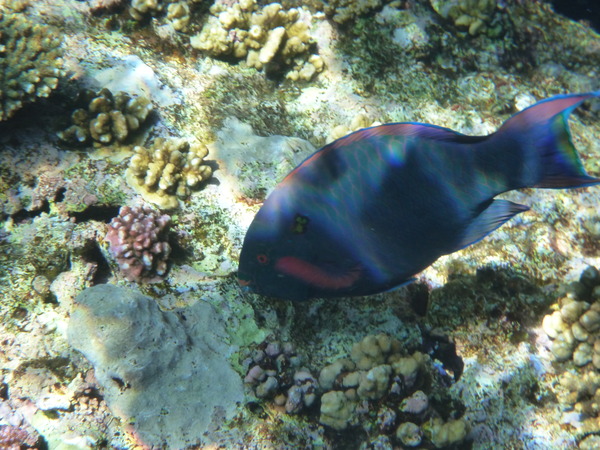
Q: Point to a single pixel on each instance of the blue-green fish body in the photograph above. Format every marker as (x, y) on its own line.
(367, 212)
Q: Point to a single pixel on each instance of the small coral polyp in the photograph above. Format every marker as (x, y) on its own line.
(137, 241)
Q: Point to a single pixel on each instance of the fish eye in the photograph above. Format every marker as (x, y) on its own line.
(262, 258)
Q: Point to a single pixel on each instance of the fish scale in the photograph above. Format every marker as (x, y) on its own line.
(369, 211)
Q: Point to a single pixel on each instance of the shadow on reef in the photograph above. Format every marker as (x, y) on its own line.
(496, 307)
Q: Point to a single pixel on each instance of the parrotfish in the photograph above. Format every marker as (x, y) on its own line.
(369, 211)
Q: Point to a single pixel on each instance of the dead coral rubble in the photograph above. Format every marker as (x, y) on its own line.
(137, 240)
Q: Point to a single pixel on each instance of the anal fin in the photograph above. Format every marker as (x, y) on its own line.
(497, 213)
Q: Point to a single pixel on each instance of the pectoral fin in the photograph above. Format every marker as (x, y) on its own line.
(497, 213)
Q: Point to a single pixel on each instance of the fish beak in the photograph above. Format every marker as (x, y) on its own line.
(244, 283)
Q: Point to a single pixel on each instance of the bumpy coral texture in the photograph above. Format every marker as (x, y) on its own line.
(269, 37)
(105, 118)
(177, 12)
(276, 372)
(30, 62)
(344, 10)
(170, 169)
(473, 15)
(137, 240)
(574, 326)
(401, 388)
(13, 438)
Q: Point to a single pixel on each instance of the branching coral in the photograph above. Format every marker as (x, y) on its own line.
(474, 15)
(30, 62)
(269, 37)
(344, 10)
(137, 240)
(178, 12)
(105, 118)
(168, 170)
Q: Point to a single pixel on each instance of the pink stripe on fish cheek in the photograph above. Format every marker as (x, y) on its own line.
(313, 275)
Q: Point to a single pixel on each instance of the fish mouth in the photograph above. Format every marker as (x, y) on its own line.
(244, 283)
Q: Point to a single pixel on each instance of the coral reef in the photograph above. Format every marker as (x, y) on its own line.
(30, 61)
(137, 240)
(268, 37)
(168, 170)
(379, 375)
(148, 363)
(105, 119)
(275, 372)
(474, 15)
(391, 61)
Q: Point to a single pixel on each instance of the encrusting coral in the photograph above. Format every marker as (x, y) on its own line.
(168, 170)
(105, 118)
(268, 37)
(137, 240)
(30, 61)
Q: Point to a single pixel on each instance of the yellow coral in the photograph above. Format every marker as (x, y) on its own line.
(170, 169)
(261, 36)
(471, 14)
(106, 118)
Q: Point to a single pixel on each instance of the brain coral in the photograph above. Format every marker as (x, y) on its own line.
(30, 63)
(168, 170)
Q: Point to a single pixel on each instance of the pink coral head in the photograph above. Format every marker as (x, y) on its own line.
(137, 240)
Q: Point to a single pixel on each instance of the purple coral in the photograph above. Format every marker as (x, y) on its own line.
(137, 240)
(14, 438)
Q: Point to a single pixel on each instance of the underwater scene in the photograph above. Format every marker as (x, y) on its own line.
(240, 224)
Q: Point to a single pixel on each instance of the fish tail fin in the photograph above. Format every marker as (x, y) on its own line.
(552, 160)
